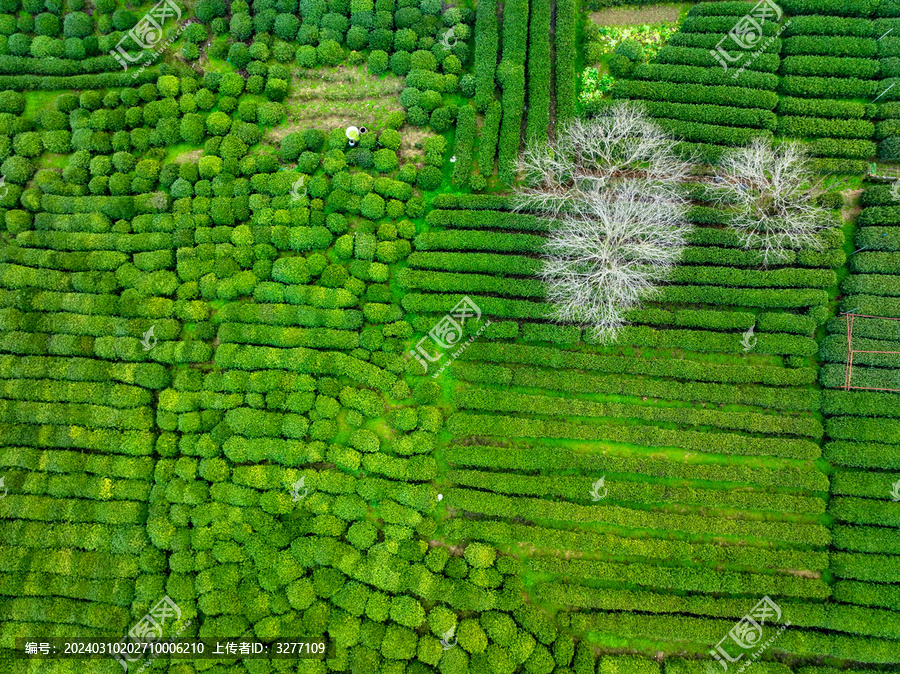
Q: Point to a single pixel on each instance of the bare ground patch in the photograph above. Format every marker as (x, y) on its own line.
(343, 82)
(412, 142)
(851, 208)
(277, 134)
(803, 573)
(184, 157)
(343, 114)
(344, 95)
(627, 16)
(454, 550)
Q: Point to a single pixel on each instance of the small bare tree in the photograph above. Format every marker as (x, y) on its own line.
(770, 194)
(611, 187)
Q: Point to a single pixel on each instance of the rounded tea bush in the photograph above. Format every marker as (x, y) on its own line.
(471, 636)
(407, 611)
(362, 535)
(631, 49)
(480, 555)
(372, 206)
(620, 66)
(378, 62)
(429, 178)
(385, 160)
(889, 149)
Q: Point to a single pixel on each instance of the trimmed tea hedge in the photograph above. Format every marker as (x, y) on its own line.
(689, 56)
(465, 138)
(828, 87)
(538, 118)
(709, 133)
(830, 66)
(662, 72)
(564, 63)
(832, 128)
(512, 78)
(466, 424)
(833, 7)
(713, 114)
(487, 146)
(812, 107)
(712, 40)
(487, 47)
(824, 45)
(485, 219)
(820, 24)
(695, 94)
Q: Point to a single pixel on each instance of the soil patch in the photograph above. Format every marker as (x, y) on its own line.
(410, 137)
(630, 16)
(345, 95)
(192, 156)
(851, 209)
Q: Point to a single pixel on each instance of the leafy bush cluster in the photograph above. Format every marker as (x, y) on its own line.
(107, 133)
(315, 33)
(422, 44)
(284, 330)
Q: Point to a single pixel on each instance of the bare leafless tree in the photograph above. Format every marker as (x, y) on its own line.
(590, 153)
(611, 187)
(769, 192)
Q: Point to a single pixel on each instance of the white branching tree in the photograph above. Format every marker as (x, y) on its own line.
(611, 187)
(770, 194)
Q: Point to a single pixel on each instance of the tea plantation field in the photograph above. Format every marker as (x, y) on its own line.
(278, 363)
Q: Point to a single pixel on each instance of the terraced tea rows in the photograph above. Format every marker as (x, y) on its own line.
(215, 387)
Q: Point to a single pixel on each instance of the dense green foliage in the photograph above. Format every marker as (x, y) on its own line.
(564, 48)
(216, 315)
